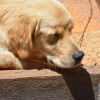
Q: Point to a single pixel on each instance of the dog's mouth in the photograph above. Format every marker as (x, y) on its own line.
(63, 63)
(55, 62)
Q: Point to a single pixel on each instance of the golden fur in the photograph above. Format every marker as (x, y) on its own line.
(35, 28)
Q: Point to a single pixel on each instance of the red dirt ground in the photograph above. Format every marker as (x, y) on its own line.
(80, 10)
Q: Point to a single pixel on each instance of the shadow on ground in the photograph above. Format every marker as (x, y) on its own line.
(79, 84)
(77, 80)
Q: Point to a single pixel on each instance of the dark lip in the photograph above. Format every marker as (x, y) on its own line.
(41, 59)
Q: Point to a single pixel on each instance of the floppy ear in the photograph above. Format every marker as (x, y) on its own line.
(36, 30)
(20, 29)
(20, 33)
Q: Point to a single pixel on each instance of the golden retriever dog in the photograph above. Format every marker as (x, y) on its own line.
(36, 28)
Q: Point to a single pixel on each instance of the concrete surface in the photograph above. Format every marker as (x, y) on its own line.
(50, 84)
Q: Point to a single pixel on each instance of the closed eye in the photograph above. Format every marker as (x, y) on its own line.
(53, 38)
(57, 35)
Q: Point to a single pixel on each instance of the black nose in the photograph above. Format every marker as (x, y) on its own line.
(78, 55)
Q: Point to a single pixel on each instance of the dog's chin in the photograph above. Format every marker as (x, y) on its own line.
(67, 66)
(54, 61)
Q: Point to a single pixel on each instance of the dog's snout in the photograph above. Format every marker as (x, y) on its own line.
(78, 55)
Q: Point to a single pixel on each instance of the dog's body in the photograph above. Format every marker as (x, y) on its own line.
(39, 28)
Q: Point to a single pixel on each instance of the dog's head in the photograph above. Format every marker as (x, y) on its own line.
(52, 36)
(47, 31)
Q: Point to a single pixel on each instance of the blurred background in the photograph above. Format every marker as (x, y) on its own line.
(80, 11)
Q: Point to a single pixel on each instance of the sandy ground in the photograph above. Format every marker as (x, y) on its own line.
(80, 11)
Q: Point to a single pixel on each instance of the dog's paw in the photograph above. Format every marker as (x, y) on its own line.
(9, 61)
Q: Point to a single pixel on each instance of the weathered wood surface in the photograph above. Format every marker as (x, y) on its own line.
(44, 84)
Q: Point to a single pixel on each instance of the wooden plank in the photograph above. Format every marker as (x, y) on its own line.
(50, 84)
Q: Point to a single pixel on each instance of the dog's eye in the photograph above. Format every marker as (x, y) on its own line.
(57, 35)
(53, 38)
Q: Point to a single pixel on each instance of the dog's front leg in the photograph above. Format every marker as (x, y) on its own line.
(8, 60)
